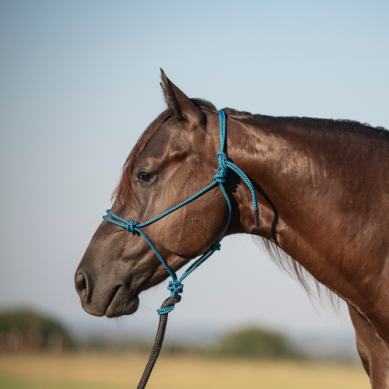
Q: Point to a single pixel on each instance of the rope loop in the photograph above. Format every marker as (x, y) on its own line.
(216, 246)
(132, 226)
(168, 305)
(175, 287)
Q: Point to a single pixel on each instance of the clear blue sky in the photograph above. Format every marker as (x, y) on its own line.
(79, 82)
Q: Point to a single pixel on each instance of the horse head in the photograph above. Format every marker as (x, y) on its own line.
(173, 159)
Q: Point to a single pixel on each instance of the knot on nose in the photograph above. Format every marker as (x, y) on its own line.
(216, 246)
(175, 287)
(132, 226)
(220, 176)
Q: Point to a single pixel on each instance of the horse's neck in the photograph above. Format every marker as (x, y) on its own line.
(309, 181)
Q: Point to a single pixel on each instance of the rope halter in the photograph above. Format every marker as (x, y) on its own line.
(175, 286)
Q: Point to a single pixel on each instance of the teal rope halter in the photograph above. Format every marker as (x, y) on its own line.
(175, 286)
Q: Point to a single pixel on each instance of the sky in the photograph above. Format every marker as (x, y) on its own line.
(79, 82)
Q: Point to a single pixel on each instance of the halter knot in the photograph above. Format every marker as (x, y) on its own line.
(131, 226)
(220, 176)
(175, 287)
(216, 246)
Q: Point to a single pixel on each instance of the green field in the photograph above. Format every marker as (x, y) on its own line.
(101, 371)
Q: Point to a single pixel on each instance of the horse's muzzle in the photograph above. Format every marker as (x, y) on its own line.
(112, 301)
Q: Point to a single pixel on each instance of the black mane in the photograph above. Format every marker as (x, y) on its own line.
(349, 125)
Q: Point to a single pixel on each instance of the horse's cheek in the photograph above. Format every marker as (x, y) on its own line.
(196, 235)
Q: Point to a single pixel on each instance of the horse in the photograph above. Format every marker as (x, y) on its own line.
(323, 202)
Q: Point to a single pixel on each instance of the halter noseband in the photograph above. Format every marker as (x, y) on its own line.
(176, 286)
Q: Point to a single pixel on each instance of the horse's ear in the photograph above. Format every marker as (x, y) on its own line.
(184, 109)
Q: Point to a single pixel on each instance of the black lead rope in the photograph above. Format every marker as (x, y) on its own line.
(158, 341)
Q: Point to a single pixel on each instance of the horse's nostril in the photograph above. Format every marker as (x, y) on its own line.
(80, 283)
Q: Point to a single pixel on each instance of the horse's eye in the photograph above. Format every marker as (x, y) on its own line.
(143, 176)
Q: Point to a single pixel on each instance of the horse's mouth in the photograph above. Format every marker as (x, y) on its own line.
(121, 303)
(115, 292)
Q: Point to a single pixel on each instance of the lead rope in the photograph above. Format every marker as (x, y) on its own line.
(176, 285)
(170, 301)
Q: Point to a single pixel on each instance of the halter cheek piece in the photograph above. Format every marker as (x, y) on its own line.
(176, 286)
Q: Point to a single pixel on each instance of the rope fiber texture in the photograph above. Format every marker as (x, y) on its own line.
(175, 286)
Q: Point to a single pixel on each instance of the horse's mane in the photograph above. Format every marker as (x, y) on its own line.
(339, 124)
(284, 262)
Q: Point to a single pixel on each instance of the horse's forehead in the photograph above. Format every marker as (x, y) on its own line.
(164, 141)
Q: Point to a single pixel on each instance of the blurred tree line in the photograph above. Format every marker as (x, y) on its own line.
(27, 330)
(254, 342)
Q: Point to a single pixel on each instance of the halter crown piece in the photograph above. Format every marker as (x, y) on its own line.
(175, 286)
